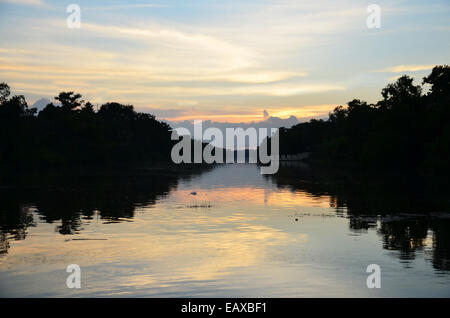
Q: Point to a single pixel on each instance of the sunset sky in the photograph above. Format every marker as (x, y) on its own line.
(219, 60)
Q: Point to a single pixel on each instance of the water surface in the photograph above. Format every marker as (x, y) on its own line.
(225, 231)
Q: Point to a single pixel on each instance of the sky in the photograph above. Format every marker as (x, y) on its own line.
(222, 61)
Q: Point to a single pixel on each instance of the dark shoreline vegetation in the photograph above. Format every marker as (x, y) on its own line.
(407, 130)
(73, 135)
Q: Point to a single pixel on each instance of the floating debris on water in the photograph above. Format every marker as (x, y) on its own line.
(86, 239)
(201, 205)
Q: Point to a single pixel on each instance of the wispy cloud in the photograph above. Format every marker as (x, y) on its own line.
(127, 6)
(407, 68)
(246, 115)
(217, 58)
(25, 2)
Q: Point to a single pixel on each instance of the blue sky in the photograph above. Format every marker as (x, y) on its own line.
(220, 60)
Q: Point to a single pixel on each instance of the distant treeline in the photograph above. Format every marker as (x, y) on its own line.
(73, 134)
(407, 129)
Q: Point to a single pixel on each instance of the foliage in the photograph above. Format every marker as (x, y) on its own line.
(73, 134)
(405, 130)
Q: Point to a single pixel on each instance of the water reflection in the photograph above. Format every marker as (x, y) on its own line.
(301, 232)
(407, 211)
(72, 200)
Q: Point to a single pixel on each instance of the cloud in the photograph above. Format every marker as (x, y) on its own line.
(243, 115)
(146, 82)
(407, 68)
(270, 122)
(170, 62)
(25, 2)
(215, 60)
(127, 6)
(41, 103)
(164, 113)
(286, 89)
(194, 46)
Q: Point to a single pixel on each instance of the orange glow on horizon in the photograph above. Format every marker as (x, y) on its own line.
(300, 112)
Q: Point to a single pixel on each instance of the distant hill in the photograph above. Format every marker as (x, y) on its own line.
(40, 104)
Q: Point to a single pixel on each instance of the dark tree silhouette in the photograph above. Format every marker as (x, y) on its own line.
(405, 130)
(4, 92)
(69, 100)
(75, 135)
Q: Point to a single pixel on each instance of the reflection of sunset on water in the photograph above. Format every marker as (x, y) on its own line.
(253, 195)
(227, 231)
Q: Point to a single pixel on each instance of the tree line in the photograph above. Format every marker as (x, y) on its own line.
(409, 128)
(74, 134)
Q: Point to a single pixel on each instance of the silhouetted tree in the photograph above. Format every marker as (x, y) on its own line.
(404, 130)
(402, 92)
(439, 79)
(4, 92)
(69, 100)
(73, 134)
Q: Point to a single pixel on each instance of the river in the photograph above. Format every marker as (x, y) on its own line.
(225, 231)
